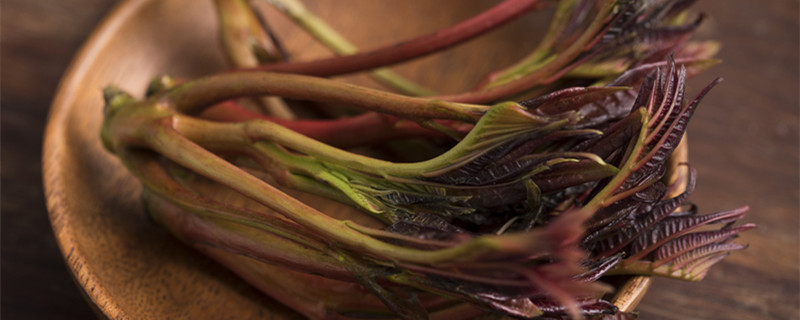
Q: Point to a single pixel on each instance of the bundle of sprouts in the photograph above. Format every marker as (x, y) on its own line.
(549, 176)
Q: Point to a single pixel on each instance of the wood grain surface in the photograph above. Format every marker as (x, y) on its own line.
(744, 144)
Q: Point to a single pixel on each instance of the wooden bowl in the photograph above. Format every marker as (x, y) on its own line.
(128, 267)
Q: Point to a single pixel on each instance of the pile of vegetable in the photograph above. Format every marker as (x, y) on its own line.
(537, 186)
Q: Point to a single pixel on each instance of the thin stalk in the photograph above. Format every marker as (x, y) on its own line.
(605, 197)
(194, 96)
(242, 35)
(324, 33)
(605, 70)
(410, 49)
(335, 180)
(366, 128)
(401, 237)
(601, 200)
(211, 133)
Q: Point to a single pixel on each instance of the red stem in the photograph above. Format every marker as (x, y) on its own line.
(410, 49)
(344, 132)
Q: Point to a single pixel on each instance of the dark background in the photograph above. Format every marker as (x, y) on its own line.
(744, 144)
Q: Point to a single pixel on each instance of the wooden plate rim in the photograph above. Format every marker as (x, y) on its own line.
(53, 151)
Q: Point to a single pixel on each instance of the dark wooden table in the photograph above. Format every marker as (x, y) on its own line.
(744, 143)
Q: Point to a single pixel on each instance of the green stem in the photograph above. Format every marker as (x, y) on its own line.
(605, 197)
(162, 138)
(296, 11)
(364, 129)
(324, 171)
(194, 96)
(242, 35)
(214, 133)
(602, 199)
